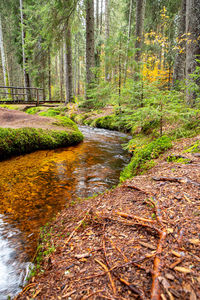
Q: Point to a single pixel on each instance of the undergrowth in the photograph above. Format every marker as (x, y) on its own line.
(144, 156)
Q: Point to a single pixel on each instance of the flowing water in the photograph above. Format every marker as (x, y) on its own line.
(35, 186)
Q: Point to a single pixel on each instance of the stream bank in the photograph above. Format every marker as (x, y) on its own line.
(21, 133)
(136, 241)
(36, 186)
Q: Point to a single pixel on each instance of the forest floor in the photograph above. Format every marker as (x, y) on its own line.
(18, 119)
(138, 241)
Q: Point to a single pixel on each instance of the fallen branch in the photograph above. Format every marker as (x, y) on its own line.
(132, 288)
(125, 215)
(155, 289)
(131, 223)
(135, 188)
(177, 179)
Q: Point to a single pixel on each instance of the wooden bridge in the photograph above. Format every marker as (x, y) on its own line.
(22, 95)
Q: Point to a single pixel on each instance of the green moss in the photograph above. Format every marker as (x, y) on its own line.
(106, 122)
(65, 122)
(143, 154)
(51, 112)
(33, 110)
(26, 140)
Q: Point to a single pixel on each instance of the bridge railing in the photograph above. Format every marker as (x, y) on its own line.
(14, 94)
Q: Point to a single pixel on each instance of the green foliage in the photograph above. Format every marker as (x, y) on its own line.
(33, 110)
(51, 112)
(194, 148)
(107, 122)
(25, 140)
(178, 159)
(143, 154)
(65, 122)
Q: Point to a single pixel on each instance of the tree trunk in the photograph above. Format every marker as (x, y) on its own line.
(26, 75)
(128, 40)
(78, 70)
(107, 34)
(61, 73)
(140, 12)
(68, 67)
(75, 64)
(179, 65)
(193, 46)
(49, 72)
(3, 58)
(90, 61)
(101, 17)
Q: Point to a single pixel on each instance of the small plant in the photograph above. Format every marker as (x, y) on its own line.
(194, 148)
(178, 159)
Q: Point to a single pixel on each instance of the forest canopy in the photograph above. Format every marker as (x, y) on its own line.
(99, 52)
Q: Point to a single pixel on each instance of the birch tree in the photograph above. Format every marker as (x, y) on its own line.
(3, 58)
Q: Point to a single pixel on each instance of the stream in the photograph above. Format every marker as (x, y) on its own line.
(34, 187)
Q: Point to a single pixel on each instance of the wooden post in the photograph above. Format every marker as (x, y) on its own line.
(37, 95)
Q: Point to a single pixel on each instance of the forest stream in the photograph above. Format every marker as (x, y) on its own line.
(34, 187)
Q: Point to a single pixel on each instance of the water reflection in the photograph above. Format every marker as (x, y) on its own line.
(34, 187)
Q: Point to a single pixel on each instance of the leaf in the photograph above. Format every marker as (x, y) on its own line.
(183, 270)
(194, 241)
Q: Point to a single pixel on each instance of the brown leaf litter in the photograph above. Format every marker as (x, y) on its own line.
(138, 241)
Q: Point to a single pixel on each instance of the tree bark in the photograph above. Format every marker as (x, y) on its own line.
(26, 75)
(90, 61)
(140, 12)
(107, 35)
(192, 47)
(3, 58)
(68, 67)
(179, 66)
(49, 72)
(128, 40)
(61, 73)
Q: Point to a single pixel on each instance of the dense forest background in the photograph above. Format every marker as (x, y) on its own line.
(131, 54)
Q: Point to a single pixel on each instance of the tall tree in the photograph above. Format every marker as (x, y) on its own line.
(193, 45)
(26, 75)
(90, 61)
(107, 35)
(179, 66)
(128, 38)
(3, 58)
(68, 66)
(139, 27)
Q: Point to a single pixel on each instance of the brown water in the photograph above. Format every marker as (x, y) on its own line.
(35, 186)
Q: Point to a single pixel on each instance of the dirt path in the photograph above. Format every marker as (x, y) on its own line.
(138, 241)
(17, 119)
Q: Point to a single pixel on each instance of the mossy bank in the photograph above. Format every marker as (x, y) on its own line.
(26, 140)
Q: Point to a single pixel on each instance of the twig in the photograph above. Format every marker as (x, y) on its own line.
(118, 249)
(132, 288)
(125, 215)
(77, 227)
(109, 275)
(135, 188)
(92, 294)
(130, 223)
